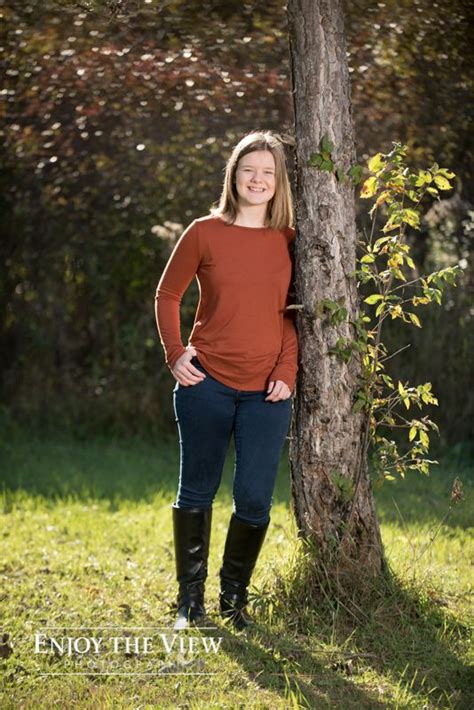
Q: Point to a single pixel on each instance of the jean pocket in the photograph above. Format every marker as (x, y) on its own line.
(196, 363)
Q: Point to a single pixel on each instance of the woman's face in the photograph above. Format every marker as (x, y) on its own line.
(255, 178)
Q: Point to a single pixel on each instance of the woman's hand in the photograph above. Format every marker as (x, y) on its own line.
(184, 372)
(279, 390)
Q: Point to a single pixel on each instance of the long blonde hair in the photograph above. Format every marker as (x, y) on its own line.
(280, 207)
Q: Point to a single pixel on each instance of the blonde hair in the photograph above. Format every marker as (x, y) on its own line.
(280, 207)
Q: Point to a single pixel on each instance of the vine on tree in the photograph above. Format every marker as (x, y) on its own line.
(396, 192)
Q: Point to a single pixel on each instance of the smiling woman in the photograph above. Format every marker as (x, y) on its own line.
(255, 181)
(236, 375)
(256, 188)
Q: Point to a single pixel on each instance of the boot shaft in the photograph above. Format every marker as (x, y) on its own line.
(192, 531)
(242, 548)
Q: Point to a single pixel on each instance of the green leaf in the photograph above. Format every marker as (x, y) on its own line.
(326, 144)
(355, 173)
(315, 160)
(373, 298)
(368, 259)
(358, 406)
(327, 165)
(343, 484)
(330, 305)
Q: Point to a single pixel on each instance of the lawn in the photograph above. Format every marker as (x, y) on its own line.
(86, 555)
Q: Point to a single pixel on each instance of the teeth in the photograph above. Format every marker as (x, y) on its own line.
(256, 189)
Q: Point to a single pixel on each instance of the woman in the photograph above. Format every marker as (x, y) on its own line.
(237, 373)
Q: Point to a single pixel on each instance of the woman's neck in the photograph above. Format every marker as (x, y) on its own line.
(249, 218)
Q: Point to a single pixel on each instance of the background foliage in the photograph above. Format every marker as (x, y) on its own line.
(117, 119)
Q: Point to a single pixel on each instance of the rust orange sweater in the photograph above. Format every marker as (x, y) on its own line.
(242, 334)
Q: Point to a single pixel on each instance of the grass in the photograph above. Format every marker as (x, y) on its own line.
(86, 541)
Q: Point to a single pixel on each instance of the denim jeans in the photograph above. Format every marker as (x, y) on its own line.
(207, 414)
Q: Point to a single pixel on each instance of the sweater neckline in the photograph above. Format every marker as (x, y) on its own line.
(241, 226)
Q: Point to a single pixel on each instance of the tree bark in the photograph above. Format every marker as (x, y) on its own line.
(326, 436)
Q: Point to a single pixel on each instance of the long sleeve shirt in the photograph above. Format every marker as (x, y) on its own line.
(242, 333)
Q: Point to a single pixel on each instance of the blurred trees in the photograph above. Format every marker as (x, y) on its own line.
(117, 121)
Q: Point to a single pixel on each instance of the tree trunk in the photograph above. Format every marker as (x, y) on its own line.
(326, 436)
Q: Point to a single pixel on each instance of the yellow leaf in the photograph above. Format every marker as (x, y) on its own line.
(382, 197)
(424, 438)
(389, 225)
(442, 183)
(411, 217)
(447, 173)
(415, 319)
(369, 188)
(423, 176)
(395, 260)
(375, 163)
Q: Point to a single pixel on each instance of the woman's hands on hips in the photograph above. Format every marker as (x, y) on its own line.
(184, 372)
(279, 390)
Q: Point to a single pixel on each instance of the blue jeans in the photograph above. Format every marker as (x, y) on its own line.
(207, 414)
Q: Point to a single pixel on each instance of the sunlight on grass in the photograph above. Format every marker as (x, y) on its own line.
(87, 541)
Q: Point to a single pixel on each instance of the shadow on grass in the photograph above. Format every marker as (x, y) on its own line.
(280, 665)
(284, 664)
(401, 640)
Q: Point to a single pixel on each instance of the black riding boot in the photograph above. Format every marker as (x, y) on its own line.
(192, 531)
(241, 551)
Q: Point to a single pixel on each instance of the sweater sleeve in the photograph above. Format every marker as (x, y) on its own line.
(286, 367)
(178, 273)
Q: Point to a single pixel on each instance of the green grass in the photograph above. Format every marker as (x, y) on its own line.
(86, 540)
